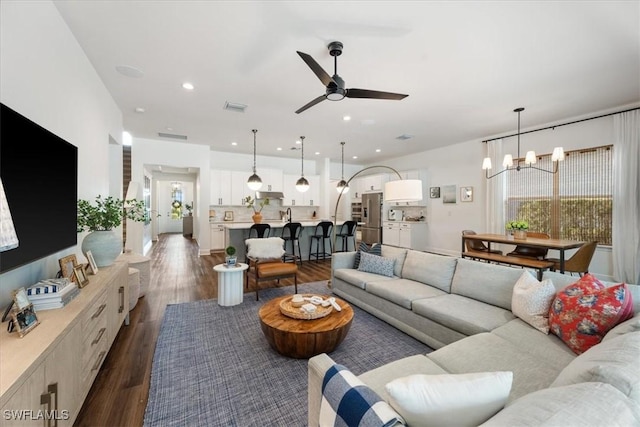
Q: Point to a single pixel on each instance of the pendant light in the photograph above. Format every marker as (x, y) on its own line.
(302, 184)
(342, 187)
(254, 182)
(529, 160)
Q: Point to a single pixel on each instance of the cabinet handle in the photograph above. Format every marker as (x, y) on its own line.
(121, 292)
(98, 337)
(45, 398)
(269, 187)
(99, 361)
(99, 311)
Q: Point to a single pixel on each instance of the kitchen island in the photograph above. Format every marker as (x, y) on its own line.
(238, 232)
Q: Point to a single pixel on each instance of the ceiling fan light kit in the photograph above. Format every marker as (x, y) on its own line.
(529, 160)
(302, 184)
(335, 86)
(254, 182)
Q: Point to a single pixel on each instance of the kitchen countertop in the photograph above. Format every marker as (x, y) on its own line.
(274, 224)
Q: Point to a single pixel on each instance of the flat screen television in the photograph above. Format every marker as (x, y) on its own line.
(39, 172)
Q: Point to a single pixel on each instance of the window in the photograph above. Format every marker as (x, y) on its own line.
(576, 203)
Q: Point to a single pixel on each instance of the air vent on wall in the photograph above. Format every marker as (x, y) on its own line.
(234, 106)
(172, 136)
(404, 137)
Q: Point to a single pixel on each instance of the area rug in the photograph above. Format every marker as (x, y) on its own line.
(212, 365)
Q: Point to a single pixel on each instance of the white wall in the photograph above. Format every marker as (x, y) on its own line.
(45, 76)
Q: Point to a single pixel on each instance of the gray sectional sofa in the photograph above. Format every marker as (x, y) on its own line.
(462, 308)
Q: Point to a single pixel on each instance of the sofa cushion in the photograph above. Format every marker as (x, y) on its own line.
(449, 400)
(546, 347)
(434, 270)
(462, 314)
(614, 362)
(399, 254)
(346, 400)
(485, 282)
(402, 291)
(582, 313)
(373, 250)
(531, 301)
(585, 404)
(488, 352)
(378, 378)
(631, 325)
(358, 278)
(376, 264)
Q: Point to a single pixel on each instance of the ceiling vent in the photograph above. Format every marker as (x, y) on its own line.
(172, 136)
(404, 137)
(234, 106)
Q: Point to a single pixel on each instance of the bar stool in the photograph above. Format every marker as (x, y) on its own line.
(291, 234)
(261, 231)
(347, 230)
(321, 234)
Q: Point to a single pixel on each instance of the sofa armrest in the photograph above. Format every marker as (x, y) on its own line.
(317, 367)
(342, 260)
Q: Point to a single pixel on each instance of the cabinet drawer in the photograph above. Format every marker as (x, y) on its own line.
(94, 315)
(93, 341)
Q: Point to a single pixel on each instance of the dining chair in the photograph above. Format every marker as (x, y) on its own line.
(579, 261)
(531, 251)
(477, 245)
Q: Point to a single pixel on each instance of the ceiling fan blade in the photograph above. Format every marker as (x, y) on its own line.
(375, 94)
(316, 68)
(312, 103)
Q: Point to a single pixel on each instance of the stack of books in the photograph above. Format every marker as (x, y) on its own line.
(52, 293)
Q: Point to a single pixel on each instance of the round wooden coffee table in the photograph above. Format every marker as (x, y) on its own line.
(302, 339)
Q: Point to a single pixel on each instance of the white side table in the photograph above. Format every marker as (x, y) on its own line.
(142, 263)
(230, 283)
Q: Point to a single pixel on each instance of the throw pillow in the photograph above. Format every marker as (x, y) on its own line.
(450, 400)
(583, 312)
(374, 250)
(614, 362)
(531, 301)
(376, 264)
(347, 401)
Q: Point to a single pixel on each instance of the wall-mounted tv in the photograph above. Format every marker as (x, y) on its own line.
(39, 172)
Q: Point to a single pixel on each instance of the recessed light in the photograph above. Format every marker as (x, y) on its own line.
(140, 110)
(298, 142)
(317, 153)
(187, 86)
(279, 148)
(234, 143)
(378, 150)
(354, 157)
(169, 128)
(346, 118)
(129, 71)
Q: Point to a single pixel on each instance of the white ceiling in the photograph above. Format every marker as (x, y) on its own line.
(465, 65)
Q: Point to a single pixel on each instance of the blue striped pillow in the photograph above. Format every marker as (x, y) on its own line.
(375, 249)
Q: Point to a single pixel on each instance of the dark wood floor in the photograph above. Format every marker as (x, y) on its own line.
(119, 394)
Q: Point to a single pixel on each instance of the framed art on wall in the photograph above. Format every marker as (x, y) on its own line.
(448, 194)
(434, 192)
(466, 194)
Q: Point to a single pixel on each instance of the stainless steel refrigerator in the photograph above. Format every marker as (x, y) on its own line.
(372, 218)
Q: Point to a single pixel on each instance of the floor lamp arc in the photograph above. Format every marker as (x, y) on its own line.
(401, 190)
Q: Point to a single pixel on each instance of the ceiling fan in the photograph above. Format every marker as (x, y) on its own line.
(335, 85)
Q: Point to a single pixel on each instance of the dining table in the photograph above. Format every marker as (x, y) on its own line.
(560, 245)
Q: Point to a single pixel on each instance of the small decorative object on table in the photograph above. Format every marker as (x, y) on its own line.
(518, 229)
(257, 211)
(297, 310)
(231, 258)
(23, 315)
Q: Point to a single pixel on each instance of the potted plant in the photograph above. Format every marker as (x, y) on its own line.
(518, 228)
(189, 208)
(100, 218)
(231, 258)
(257, 207)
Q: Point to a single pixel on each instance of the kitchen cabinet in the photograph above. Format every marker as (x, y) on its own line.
(220, 187)
(391, 233)
(271, 179)
(295, 198)
(410, 235)
(239, 188)
(354, 190)
(218, 237)
(371, 183)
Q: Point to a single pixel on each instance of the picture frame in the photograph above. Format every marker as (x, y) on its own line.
(466, 194)
(81, 278)
(67, 264)
(434, 192)
(20, 298)
(228, 215)
(449, 194)
(92, 262)
(24, 320)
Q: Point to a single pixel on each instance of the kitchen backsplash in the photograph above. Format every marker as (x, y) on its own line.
(270, 212)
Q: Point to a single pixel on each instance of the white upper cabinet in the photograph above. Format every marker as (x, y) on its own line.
(239, 187)
(220, 187)
(271, 179)
(293, 197)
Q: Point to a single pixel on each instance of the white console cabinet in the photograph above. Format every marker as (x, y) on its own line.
(410, 235)
(51, 369)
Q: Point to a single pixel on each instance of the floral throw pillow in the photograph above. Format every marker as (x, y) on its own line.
(583, 312)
